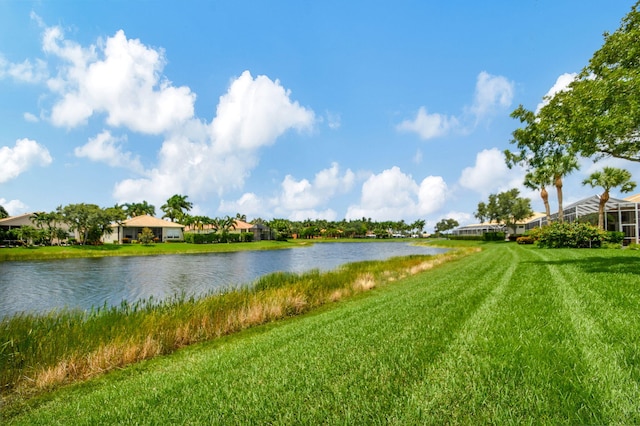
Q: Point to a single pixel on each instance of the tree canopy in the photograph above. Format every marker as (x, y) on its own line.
(139, 209)
(176, 208)
(506, 208)
(89, 220)
(598, 115)
(445, 225)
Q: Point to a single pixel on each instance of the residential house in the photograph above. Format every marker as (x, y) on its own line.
(260, 231)
(26, 219)
(163, 230)
(620, 215)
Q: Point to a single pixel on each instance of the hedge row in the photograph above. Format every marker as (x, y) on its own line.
(215, 237)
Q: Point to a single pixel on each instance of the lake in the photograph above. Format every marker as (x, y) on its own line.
(42, 286)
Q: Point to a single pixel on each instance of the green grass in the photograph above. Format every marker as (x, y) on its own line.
(512, 334)
(76, 251)
(41, 352)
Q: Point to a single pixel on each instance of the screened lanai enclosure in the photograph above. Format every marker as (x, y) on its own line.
(620, 215)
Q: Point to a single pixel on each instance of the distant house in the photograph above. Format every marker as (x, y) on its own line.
(260, 232)
(620, 215)
(26, 219)
(480, 228)
(11, 222)
(129, 229)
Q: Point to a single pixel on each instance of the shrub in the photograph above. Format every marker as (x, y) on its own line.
(493, 236)
(233, 238)
(146, 236)
(208, 238)
(126, 240)
(615, 237)
(570, 235)
(525, 239)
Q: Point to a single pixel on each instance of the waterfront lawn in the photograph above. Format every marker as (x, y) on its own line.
(76, 251)
(512, 334)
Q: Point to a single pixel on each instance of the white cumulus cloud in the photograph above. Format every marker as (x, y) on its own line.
(490, 173)
(254, 112)
(429, 126)
(119, 77)
(25, 154)
(298, 199)
(394, 195)
(25, 71)
(305, 195)
(107, 149)
(492, 93)
(30, 117)
(14, 207)
(248, 204)
(215, 158)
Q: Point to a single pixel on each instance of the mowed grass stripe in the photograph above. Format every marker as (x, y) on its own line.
(510, 363)
(609, 375)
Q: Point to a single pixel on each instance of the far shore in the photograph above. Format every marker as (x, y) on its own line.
(105, 250)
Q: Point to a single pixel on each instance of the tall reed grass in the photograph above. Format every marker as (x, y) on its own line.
(40, 352)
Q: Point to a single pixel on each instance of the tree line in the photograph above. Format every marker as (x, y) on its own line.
(90, 222)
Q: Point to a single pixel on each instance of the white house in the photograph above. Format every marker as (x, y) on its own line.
(620, 215)
(129, 229)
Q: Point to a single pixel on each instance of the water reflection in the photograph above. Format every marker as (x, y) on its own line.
(42, 286)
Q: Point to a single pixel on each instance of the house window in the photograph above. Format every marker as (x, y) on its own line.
(173, 234)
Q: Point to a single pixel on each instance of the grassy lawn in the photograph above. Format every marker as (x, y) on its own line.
(512, 334)
(43, 253)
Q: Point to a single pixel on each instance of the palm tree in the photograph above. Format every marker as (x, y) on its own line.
(139, 209)
(224, 225)
(608, 178)
(418, 225)
(25, 233)
(46, 222)
(176, 207)
(3, 213)
(559, 167)
(538, 179)
(198, 222)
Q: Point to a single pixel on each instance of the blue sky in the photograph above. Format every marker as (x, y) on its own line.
(333, 109)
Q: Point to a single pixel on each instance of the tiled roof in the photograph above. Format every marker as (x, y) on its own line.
(150, 222)
(20, 220)
(633, 198)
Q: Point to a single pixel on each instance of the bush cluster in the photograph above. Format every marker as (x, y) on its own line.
(216, 237)
(525, 239)
(493, 236)
(569, 235)
(615, 237)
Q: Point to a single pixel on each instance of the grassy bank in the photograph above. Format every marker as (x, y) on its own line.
(40, 352)
(77, 251)
(512, 334)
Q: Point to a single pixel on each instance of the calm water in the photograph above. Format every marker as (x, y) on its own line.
(41, 286)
